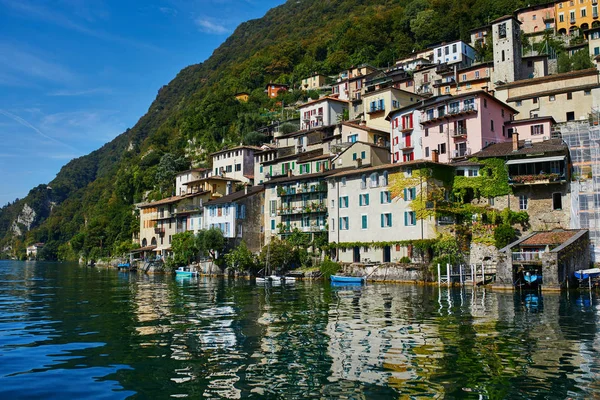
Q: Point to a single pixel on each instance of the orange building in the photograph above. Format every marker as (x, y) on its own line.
(273, 89)
(576, 14)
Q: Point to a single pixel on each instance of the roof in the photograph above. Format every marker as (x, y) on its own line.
(506, 149)
(556, 91)
(141, 249)
(209, 178)
(326, 98)
(367, 94)
(535, 7)
(254, 148)
(364, 127)
(548, 78)
(192, 170)
(316, 158)
(549, 238)
(168, 200)
(240, 194)
(286, 178)
(504, 18)
(353, 170)
(466, 163)
(481, 28)
(529, 120)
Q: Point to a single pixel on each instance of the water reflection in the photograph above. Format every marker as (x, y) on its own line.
(99, 333)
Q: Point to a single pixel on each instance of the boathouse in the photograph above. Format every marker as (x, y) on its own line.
(553, 256)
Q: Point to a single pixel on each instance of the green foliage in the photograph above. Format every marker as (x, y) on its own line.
(185, 246)
(405, 260)
(491, 182)
(211, 241)
(328, 268)
(576, 62)
(503, 235)
(241, 258)
(280, 255)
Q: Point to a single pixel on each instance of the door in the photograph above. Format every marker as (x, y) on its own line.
(356, 255)
(387, 254)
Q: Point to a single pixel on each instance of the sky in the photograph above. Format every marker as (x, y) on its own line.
(74, 74)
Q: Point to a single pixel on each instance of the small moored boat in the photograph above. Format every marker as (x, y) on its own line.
(348, 279)
(183, 271)
(530, 278)
(587, 273)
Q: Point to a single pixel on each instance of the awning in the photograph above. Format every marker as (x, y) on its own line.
(161, 248)
(535, 160)
(142, 249)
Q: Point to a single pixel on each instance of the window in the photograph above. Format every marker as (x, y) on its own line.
(343, 223)
(344, 202)
(364, 222)
(454, 48)
(587, 92)
(583, 12)
(410, 193)
(518, 103)
(238, 167)
(272, 224)
(551, 98)
(385, 197)
(570, 115)
(353, 138)
(363, 155)
(556, 201)
(426, 152)
(502, 30)
(537, 129)
(492, 125)
(386, 220)
(442, 148)
(569, 96)
(464, 77)
(534, 17)
(332, 203)
(561, 17)
(503, 56)
(354, 157)
(410, 218)
(441, 128)
(476, 74)
(523, 202)
(535, 100)
(426, 132)
(363, 200)
(484, 103)
(491, 201)
(344, 181)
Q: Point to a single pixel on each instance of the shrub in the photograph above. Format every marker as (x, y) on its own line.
(503, 235)
(405, 260)
(329, 268)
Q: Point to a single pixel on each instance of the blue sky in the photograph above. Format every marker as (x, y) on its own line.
(76, 73)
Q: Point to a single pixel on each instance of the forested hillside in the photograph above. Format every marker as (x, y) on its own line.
(88, 207)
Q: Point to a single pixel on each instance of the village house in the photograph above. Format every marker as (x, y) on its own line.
(574, 16)
(325, 111)
(362, 209)
(314, 82)
(239, 216)
(458, 126)
(358, 131)
(235, 163)
(415, 59)
(539, 177)
(358, 154)
(457, 52)
(469, 79)
(568, 96)
(379, 103)
(242, 96)
(536, 19)
(34, 250)
(274, 89)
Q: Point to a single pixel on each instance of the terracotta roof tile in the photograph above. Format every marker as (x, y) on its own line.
(549, 238)
(506, 149)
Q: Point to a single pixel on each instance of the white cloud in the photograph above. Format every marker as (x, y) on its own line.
(168, 11)
(209, 26)
(82, 92)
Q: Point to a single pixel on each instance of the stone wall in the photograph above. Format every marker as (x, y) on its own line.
(417, 273)
(482, 253)
(559, 265)
(252, 224)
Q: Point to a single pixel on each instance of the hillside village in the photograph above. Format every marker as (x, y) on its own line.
(446, 142)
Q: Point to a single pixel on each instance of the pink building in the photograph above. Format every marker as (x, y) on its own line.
(537, 18)
(458, 126)
(535, 129)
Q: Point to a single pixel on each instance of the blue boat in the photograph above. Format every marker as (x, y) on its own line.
(181, 271)
(348, 279)
(125, 265)
(587, 273)
(530, 278)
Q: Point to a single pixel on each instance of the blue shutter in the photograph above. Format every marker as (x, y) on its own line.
(363, 155)
(381, 197)
(405, 218)
(405, 194)
(341, 223)
(390, 220)
(382, 220)
(367, 199)
(353, 156)
(414, 193)
(360, 199)
(272, 224)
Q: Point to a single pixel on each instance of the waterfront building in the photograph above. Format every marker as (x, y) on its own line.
(235, 163)
(239, 216)
(34, 249)
(362, 209)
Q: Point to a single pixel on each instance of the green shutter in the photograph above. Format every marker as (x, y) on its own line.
(308, 168)
(364, 222)
(382, 220)
(390, 220)
(353, 156)
(381, 197)
(405, 218)
(340, 225)
(360, 199)
(271, 170)
(293, 165)
(367, 199)
(414, 193)
(405, 194)
(282, 169)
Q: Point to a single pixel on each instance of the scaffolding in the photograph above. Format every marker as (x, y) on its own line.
(583, 140)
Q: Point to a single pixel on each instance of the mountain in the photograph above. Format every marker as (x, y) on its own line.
(88, 207)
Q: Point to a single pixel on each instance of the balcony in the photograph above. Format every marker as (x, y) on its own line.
(572, 20)
(461, 153)
(548, 17)
(376, 109)
(458, 133)
(435, 116)
(302, 189)
(527, 257)
(159, 231)
(309, 208)
(189, 208)
(406, 146)
(406, 128)
(539, 179)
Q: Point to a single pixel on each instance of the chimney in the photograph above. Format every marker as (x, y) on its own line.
(434, 156)
(515, 140)
(358, 162)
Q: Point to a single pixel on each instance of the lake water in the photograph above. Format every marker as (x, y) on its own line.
(74, 332)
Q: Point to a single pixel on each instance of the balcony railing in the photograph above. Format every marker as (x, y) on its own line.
(376, 109)
(538, 179)
(309, 208)
(302, 189)
(462, 153)
(527, 257)
(457, 133)
(572, 20)
(437, 115)
(160, 231)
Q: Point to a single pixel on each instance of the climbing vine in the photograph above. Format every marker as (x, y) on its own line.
(491, 182)
(419, 244)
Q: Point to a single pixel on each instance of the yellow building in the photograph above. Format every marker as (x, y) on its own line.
(242, 96)
(576, 14)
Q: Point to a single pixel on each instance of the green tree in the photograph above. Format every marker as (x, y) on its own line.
(504, 235)
(185, 247)
(241, 258)
(212, 241)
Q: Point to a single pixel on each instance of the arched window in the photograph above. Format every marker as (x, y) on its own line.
(385, 178)
(363, 181)
(153, 242)
(144, 242)
(374, 179)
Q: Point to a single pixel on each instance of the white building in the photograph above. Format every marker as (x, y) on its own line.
(182, 178)
(454, 52)
(322, 112)
(361, 209)
(235, 163)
